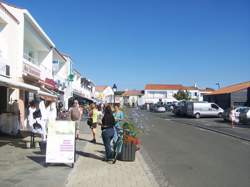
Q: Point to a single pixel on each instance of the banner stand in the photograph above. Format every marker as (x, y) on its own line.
(61, 144)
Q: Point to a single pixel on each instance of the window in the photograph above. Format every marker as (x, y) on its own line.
(195, 94)
(214, 106)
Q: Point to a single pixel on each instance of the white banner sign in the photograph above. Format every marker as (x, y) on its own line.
(60, 142)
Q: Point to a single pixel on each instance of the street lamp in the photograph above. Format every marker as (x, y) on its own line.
(114, 88)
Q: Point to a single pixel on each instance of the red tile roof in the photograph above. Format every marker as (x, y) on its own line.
(132, 93)
(163, 87)
(231, 89)
(100, 88)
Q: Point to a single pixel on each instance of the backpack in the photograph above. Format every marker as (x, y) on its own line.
(75, 114)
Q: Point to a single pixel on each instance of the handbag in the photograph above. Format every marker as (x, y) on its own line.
(37, 114)
(90, 122)
(37, 126)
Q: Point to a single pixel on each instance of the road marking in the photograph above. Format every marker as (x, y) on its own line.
(201, 129)
(168, 119)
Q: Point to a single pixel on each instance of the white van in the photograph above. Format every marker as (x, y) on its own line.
(202, 109)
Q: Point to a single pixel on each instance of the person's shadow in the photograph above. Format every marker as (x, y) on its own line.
(89, 155)
(82, 139)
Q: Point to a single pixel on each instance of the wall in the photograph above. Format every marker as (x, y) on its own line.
(11, 37)
(223, 100)
(239, 98)
(46, 64)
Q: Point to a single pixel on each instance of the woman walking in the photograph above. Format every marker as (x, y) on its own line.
(108, 122)
(119, 117)
(93, 114)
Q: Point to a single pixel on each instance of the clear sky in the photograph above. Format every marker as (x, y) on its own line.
(134, 42)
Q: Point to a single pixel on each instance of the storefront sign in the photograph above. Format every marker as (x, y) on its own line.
(50, 83)
(60, 142)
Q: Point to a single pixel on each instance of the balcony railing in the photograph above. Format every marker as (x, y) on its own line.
(30, 59)
(31, 69)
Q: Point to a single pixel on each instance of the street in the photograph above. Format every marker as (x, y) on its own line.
(182, 154)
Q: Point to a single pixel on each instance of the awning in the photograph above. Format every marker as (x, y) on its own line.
(76, 94)
(47, 96)
(15, 84)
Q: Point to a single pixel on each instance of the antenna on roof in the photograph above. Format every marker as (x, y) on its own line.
(218, 84)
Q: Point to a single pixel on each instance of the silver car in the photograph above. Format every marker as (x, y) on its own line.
(245, 116)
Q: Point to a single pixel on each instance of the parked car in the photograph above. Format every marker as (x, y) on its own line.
(159, 108)
(203, 109)
(244, 117)
(180, 109)
(169, 107)
(238, 110)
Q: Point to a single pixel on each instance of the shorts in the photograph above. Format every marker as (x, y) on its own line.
(77, 125)
(93, 126)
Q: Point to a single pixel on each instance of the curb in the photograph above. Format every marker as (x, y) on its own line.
(217, 131)
(224, 133)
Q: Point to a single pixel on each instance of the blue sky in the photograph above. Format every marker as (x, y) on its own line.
(135, 42)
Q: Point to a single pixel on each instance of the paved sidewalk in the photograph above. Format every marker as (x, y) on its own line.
(21, 167)
(91, 171)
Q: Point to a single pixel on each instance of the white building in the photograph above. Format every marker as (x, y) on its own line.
(26, 54)
(62, 70)
(133, 98)
(166, 92)
(154, 92)
(104, 93)
(88, 88)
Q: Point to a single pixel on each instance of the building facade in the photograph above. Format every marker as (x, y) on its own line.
(105, 94)
(233, 95)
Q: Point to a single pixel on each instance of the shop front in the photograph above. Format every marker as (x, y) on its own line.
(12, 104)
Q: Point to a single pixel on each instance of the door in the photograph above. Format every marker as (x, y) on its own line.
(214, 110)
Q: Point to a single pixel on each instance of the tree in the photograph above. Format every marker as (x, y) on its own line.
(182, 95)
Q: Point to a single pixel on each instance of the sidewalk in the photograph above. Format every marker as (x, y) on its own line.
(22, 167)
(90, 170)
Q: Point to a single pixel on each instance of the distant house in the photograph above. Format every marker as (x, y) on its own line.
(104, 93)
(237, 95)
(166, 92)
(133, 98)
(119, 98)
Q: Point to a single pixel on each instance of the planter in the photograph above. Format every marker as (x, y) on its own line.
(128, 152)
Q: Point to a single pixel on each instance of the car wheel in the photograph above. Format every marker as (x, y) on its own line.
(197, 115)
(220, 115)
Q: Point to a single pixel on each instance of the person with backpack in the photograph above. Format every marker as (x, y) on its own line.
(75, 115)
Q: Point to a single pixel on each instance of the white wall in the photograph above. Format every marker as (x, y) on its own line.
(153, 96)
(11, 37)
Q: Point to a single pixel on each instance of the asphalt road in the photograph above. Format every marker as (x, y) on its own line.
(184, 155)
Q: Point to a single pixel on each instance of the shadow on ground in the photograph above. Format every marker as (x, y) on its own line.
(89, 155)
(82, 139)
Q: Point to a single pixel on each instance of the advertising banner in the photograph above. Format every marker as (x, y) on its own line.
(60, 142)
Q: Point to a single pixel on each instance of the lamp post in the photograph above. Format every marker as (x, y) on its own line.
(114, 88)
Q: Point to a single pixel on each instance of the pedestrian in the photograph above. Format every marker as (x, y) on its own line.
(93, 115)
(119, 117)
(108, 122)
(75, 115)
(31, 120)
(233, 116)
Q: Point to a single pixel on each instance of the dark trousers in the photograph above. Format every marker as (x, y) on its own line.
(107, 135)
